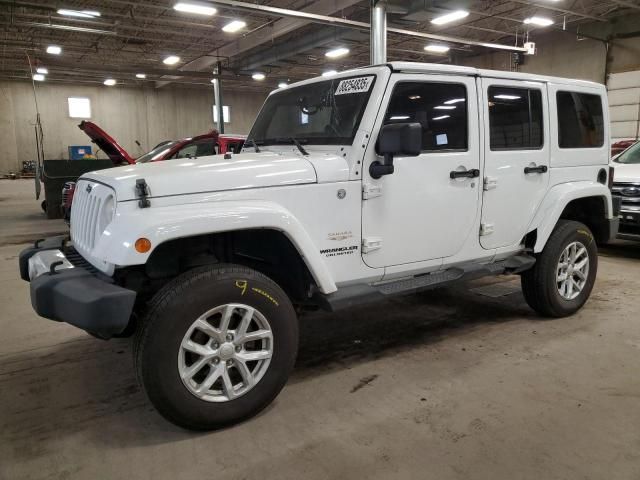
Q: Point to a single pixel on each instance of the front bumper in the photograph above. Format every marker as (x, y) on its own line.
(77, 296)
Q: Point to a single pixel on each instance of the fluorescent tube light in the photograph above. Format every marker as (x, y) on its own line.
(450, 17)
(337, 52)
(54, 50)
(437, 48)
(234, 26)
(198, 8)
(171, 60)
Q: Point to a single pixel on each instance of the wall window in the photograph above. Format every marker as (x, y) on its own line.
(515, 118)
(580, 121)
(226, 114)
(441, 109)
(79, 107)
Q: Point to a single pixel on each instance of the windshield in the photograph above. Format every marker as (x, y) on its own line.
(630, 155)
(156, 153)
(321, 113)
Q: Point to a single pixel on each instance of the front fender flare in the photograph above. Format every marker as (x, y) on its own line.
(556, 200)
(161, 224)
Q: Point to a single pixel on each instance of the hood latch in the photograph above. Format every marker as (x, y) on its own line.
(142, 191)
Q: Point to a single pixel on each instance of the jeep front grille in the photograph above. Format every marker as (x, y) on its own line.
(88, 200)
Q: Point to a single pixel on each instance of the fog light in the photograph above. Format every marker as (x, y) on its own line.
(143, 245)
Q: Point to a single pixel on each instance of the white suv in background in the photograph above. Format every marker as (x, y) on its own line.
(376, 182)
(626, 186)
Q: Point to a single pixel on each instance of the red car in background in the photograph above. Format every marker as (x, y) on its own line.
(211, 143)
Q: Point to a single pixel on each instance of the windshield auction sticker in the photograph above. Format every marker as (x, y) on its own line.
(354, 85)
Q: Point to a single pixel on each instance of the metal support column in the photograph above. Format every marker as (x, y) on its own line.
(378, 32)
(217, 97)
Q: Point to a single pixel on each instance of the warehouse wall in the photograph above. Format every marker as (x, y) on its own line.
(128, 114)
(565, 55)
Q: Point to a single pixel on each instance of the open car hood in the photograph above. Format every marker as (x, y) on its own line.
(107, 144)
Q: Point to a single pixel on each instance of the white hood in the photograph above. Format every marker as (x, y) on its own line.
(214, 173)
(626, 172)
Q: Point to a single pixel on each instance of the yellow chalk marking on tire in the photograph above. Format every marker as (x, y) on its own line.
(242, 285)
(265, 294)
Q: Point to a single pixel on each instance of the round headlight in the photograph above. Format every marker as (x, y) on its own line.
(107, 212)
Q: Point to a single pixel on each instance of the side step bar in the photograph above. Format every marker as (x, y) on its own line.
(360, 294)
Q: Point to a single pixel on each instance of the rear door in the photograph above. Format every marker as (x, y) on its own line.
(516, 147)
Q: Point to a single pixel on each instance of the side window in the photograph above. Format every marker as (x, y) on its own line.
(187, 151)
(580, 121)
(515, 118)
(441, 109)
(205, 147)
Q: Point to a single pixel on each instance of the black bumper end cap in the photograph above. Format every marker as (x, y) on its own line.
(78, 298)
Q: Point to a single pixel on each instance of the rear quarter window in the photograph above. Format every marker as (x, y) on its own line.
(580, 120)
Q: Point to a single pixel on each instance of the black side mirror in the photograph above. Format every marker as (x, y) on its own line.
(403, 139)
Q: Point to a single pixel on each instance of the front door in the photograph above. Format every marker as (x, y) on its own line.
(420, 212)
(516, 151)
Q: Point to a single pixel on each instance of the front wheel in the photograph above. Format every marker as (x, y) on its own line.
(561, 281)
(216, 347)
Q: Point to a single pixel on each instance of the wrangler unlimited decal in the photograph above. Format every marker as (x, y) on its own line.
(338, 251)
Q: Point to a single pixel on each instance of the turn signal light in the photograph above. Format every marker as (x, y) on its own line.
(143, 245)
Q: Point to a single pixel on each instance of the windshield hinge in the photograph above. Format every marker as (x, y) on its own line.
(371, 191)
(370, 244)
(142, 191)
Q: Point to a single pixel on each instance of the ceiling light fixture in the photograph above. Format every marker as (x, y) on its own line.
(109, 82)
(234, 26)
(455, 100)
(414, 97)
(399, 117)
(42, 70)
(538, 21)
(450, 17)
(437, 48)
(54, 50)
(171, 60)
(141, 75)
(442, 117)
(444, 107)
(198, 8)
(283, 85)
(329, 73)
(78, 13)
(337, 52)
(258, 76)
(507, 97)
(38, 77)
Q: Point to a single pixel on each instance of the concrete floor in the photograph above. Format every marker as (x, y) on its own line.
(459, 383)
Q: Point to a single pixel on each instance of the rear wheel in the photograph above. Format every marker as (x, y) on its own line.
(216, 347)
(561, 281)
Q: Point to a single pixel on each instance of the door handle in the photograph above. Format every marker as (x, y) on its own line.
(540, 169)
(473, 173)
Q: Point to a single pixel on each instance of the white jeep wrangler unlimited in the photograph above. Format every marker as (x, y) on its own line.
(378, 181)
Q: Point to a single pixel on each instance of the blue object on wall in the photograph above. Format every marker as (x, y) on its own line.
(77, 152)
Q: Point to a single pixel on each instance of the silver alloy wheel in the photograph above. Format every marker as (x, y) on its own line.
(572, 270)
(225, 352)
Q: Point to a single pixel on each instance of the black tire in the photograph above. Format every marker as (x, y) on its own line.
(539, 284)
(171, 313)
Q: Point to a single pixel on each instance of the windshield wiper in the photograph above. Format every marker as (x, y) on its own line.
(293, 140)
(255, 145)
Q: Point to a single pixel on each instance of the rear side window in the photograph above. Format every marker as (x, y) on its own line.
(515, 118)
(580, 120)
(440, 108)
